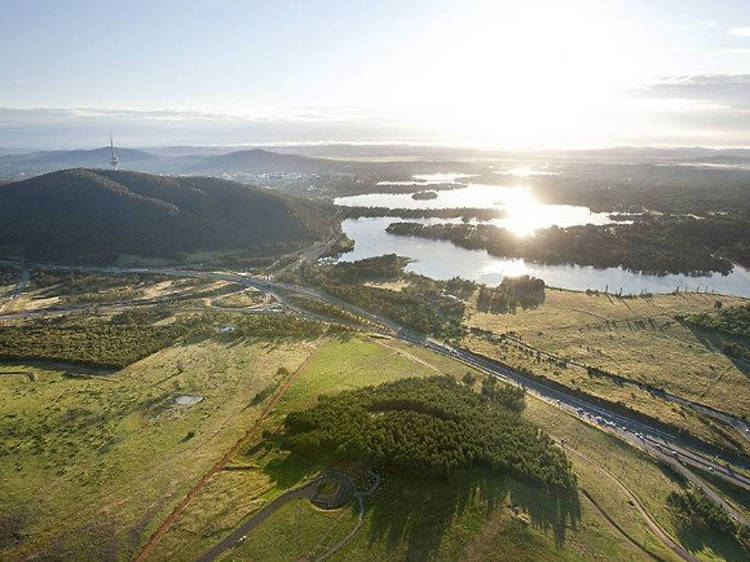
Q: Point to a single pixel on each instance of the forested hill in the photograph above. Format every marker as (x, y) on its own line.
(47, 161)
(93, 216)
(258, 160)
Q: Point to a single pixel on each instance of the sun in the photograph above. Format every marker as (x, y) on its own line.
(518, 74)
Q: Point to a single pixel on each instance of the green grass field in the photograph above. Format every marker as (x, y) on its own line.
(97, 463)
(470, 517)
(92, 464)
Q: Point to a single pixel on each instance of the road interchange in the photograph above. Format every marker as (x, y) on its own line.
(661, 444)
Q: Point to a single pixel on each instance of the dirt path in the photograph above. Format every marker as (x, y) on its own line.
(154, 539)
(408, 355)
(622, 531)
(653, 526)
(24, 374)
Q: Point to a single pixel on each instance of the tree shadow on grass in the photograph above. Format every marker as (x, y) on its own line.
(696, 539)
(419, 513)
(416, 514)
(288, 470)
(716, 342)
(549, 512)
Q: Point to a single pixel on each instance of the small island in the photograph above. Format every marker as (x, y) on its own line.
(424, 195)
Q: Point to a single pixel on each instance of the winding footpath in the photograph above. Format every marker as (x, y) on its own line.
(309, 491)
(653, 526)
(346, 491)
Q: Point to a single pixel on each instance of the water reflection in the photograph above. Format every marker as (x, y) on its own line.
(427, 179)
(441, 259)
(523, 214)
(524, 172)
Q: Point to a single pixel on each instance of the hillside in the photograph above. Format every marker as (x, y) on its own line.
(61, 159)
(258, 161)
(93, 216)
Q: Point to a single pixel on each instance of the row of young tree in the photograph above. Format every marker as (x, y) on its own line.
(130, 336)
(96, 344)
(696, 512)
(271, 327)
(424, 310)
(428, 426)
(322, 308)
(732, 321)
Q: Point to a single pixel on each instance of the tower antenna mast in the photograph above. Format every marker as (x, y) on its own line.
(115, 161)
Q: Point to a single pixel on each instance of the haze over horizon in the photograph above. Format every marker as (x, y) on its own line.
(537, 74)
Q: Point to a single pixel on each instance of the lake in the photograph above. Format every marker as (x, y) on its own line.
(441, 259)
(523, 215)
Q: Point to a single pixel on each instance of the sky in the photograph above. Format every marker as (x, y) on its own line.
(495, 73)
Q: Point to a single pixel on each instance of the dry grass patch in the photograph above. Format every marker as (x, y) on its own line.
(638, 338)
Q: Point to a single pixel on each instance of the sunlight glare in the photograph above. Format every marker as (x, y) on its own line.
(524, 214)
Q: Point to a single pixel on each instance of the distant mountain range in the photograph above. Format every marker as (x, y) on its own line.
(95, 216)
(259, 161)
(248, 162)
(98, 157)
(383, 162)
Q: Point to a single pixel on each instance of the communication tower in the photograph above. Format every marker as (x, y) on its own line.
(115, 161)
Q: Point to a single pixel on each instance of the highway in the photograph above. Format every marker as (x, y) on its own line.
(657, 442)
(731, 420)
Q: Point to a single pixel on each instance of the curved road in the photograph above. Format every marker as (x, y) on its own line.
(308, 491)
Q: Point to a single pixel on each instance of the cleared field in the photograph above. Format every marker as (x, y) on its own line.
(637, 399)
(242, 299)
(336, 365)
(339, 366)
(91, 465)
(637, 338)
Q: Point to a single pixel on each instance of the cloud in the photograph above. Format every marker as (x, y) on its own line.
(47, 128)
(730, 91)
(700, 109)
(740, 31)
